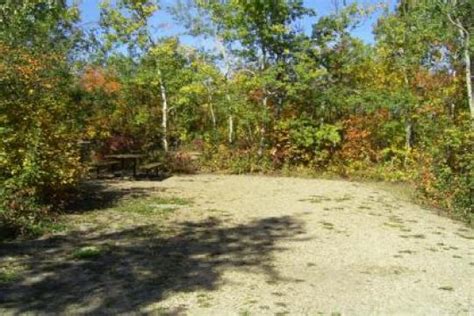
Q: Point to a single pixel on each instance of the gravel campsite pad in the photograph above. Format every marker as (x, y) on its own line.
(244, 245)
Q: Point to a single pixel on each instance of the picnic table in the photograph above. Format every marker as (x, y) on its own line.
(124, 157)
(102, 164)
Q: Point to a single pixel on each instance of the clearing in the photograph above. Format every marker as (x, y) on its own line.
(243, 245)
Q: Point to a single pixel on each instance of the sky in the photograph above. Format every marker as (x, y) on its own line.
(169, 27)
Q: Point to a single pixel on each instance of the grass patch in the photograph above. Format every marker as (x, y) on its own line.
(151, 205)
(47, 226)
(9, 275)
(33, 230)
(204, 300)
(88, 252)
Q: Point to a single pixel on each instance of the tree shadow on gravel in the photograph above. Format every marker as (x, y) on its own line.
(138, 266)
(97, 195)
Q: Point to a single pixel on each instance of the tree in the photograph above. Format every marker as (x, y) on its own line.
(449, 22)
(127, 24)
(459, 14)
(264, 35)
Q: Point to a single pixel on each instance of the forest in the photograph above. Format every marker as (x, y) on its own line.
(264, 96)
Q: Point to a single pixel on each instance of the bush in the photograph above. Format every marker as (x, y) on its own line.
(235, 160)
(447, 178)
(19, 210)
(302, 142)
(39, 156)
(181, 162)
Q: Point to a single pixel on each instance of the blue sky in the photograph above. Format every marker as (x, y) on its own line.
(168, 27)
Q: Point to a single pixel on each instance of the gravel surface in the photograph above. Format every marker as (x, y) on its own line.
(255, 245)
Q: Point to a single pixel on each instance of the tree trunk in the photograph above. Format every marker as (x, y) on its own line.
(279, 107)
(465, 41)
(231, 121)
(408, 122)
(261, 144)
(211, 109)
(231, 129)
(213, 116)
(164, 113)
(264, 104)
(409, 135)
(467, 61)
(227, 64)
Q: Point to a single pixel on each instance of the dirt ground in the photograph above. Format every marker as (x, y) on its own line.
(245, 245)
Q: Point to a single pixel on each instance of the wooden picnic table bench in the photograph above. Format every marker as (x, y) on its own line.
(153, 166)
(101, 164)
(124, 157)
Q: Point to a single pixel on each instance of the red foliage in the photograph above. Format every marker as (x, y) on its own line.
(118, 144)
(359, 142)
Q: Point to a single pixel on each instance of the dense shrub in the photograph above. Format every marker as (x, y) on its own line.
(235, 160)
(447, 177)
(182, 162)
(39, 157)
(302, 142)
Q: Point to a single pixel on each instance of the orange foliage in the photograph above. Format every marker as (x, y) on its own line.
(430, 110)
(27, 67)
(429, 82)
(256, 95)
(98, 78)
(359, 142)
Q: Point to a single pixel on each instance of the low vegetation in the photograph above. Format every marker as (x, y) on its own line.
(151, 205)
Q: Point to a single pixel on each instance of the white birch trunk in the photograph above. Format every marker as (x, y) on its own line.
(465, 40)
(467, 61)
(262, 129)
(164, 113)
(231, 121)
(264, 104)
(211, 108)
(213, 116)
(231, 129)
(227, 64)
